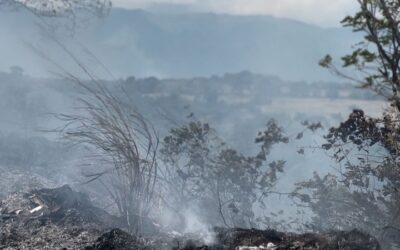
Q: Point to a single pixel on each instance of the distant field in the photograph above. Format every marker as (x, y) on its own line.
(318, 106)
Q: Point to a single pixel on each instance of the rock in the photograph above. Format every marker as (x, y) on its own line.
(353, 240)
(244, 239)
(116, 239)
(230, 238)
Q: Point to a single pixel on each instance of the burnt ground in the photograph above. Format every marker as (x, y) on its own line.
(61, 218)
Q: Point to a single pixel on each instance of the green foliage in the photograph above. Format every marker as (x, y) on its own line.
(365, 192)
(335, 207)
(61, 8)
(376, 57)
(326, 61)
(201, 169)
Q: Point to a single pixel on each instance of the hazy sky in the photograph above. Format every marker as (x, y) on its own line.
(320, 12)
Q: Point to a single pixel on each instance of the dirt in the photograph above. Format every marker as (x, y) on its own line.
(62, 218)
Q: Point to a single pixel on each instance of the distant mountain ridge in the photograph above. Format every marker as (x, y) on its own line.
(143, 43)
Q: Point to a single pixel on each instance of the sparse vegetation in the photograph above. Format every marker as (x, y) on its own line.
(124, 146)
(220, 183)
(215, 183)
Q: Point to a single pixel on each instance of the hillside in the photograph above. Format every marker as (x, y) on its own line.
(186, 44)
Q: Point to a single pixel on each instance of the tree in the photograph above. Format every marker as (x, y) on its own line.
(201, 171)
(366, 149)
(60, 8)
(336, 207)
(64, 15)
(377, 57)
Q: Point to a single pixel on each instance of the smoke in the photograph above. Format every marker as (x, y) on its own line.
(236, 103)
(194, 225)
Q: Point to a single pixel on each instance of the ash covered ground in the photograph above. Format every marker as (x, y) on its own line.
(61, 218)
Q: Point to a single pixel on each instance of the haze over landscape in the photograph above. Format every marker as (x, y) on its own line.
(194, 44)
(190, 120)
